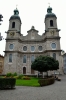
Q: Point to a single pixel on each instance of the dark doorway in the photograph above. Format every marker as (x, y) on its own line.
(24, 70)
(32, 71)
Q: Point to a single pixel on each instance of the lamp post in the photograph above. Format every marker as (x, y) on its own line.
(1, 37)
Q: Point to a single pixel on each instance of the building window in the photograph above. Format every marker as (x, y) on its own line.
(13, 24)
(54, 56)
(53, 45)
(10, 57)
(32, 48)
(25, 48)
(11, 46)
(51, 23)
(24, 59)
(32, 58)
(40, 48)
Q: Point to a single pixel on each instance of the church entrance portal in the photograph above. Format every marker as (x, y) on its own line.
(24, 70)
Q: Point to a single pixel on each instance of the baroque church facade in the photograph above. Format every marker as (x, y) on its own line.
(20, 51)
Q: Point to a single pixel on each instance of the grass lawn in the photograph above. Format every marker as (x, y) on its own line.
(31, 82)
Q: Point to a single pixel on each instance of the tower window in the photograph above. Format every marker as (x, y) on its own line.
(51, 23)
(54, 56)
(11, 46)
(10, 57)
(53, 45)
(13, 24)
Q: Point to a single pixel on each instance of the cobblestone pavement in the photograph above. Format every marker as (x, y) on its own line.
(57, 91)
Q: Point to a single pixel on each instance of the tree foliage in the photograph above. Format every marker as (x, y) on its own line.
(45, 63)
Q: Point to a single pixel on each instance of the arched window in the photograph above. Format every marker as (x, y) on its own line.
(11, 46)
(51, 23)
(10, 57)
(32, 58)
(54, 56)
(53, 45)
(32, 48)
(24, 59)
(13, 24)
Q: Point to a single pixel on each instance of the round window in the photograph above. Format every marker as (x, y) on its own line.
(53, 45)
(25, 48)
(40, 48)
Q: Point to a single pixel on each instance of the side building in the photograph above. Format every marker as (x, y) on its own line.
(21, 50)
(1, 64)
(64, 63)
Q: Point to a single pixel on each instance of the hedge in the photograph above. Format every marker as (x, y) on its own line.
(7, 83)
(47, 81)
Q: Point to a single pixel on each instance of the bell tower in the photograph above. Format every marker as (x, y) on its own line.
(12, 43)
(50, 19)
(52, 43)
(15, 22)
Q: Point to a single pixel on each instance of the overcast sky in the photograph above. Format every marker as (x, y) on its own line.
(32, 13)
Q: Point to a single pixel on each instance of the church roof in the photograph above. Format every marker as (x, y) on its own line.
(16, 15)
(49, 13)
(32, 28)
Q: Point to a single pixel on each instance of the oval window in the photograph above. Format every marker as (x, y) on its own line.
(25, 48)
(40, 48)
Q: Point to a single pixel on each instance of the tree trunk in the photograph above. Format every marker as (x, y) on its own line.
(43, 74)
(47, 73)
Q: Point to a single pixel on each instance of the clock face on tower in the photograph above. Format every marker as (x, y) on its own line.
(12, 33)
(52, 32)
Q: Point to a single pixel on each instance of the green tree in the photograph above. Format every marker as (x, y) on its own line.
(44, 64)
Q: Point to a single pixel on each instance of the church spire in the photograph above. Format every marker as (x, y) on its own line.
(49, 10)
(16, 12)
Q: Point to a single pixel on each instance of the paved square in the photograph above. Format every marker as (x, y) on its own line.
(57, 91)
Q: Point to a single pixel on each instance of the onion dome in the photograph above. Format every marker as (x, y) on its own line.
(49, 13)
(16, 15)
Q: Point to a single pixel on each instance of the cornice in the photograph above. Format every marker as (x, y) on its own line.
(31, 41)
(33, 52)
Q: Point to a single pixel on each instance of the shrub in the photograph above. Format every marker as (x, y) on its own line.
(46, 81)
(15, 74)
(15, 77)
(9, 74)
(20, 76)
(4, 76)
(26, 78)
(7, 83)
